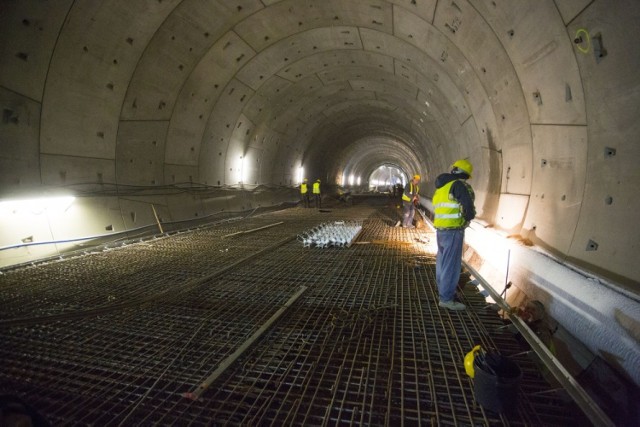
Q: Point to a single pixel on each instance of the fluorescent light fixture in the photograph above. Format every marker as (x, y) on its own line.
(37, 206)
(358, 180)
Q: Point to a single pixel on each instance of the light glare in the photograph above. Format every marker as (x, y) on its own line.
(299, 175)
(38, 206)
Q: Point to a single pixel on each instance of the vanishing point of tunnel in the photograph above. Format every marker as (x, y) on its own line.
(157, 266)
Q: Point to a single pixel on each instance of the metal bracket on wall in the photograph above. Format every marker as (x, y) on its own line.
(598, 48)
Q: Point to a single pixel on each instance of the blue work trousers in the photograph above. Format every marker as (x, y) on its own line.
(448, 262)
(408, 211)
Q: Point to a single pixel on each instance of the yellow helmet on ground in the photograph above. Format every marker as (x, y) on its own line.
(463, 165)
(468, 361)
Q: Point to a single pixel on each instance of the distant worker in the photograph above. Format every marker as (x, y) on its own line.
(304, 193)
(453, 210)
(316, 193)
(410, 199)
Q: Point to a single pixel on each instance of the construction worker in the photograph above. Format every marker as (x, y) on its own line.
(304, 193)
(410, 199)
(453, 210)
(316, 193)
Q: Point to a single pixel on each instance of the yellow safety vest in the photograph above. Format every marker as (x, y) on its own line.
(407, 198)
(316, 188)
(303, 188)
(447, 210)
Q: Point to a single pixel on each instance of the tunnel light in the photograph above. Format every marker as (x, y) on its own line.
(358, 180)
(299, 175)
(37, 206)
(343, 181)
(351, 179)
(239, 169)
(246, 171)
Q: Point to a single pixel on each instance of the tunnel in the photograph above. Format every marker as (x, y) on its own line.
(152, 151)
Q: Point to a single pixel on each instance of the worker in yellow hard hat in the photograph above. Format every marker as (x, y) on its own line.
(453, 204)
(462, 166)
(304, 193)
(410, 198)
(316, 193)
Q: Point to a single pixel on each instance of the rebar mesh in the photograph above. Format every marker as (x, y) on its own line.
(366, 344)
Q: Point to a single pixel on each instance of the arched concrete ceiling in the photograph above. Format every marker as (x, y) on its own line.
(158, 92)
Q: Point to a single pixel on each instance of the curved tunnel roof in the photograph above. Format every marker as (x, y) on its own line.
(248, 91)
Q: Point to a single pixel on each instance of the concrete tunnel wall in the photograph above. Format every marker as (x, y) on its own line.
(132, 104)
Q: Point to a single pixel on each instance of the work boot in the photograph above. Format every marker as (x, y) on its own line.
(452, 305)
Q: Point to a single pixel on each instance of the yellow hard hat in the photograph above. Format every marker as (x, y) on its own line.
(468, 361)
(416, 176)
(463, 165)
(305, 180)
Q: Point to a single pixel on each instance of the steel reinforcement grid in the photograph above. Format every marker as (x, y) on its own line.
(149, 333)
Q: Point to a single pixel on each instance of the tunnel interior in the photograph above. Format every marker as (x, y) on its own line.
(161, 115)
(167, 95)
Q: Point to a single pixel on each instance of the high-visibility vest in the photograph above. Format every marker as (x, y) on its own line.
(316, 188)
(303, 188)
(407, 198)
(447, 210)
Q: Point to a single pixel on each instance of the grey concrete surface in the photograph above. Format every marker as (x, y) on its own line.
(542, 96)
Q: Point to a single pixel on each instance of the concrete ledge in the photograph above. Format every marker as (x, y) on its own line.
(601, 315)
